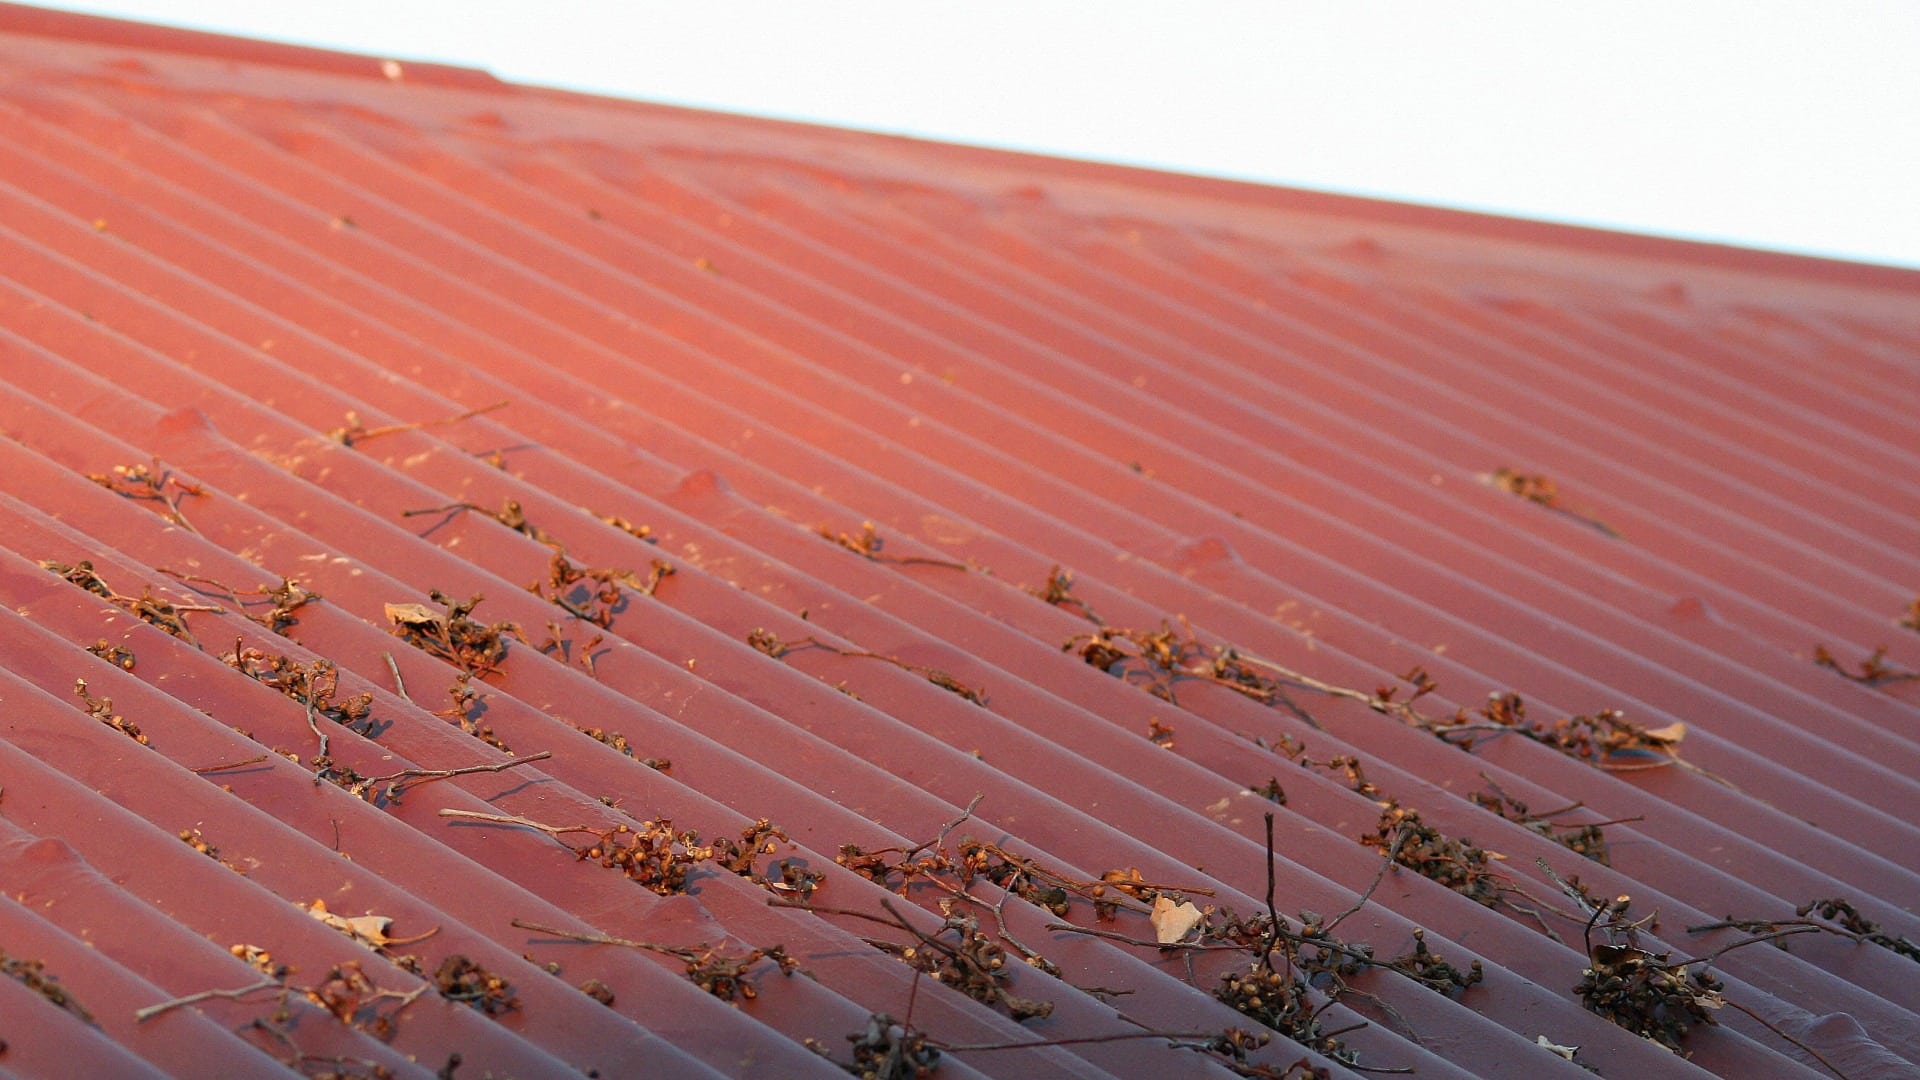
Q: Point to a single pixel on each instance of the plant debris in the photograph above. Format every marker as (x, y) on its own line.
(1058, 591)
(285, 599)
(315, 685)
(1427, 968)
(510, 514)
(460, 979)
(152, 481)
(653, 855)
(1455, 863)
(164, 614)
(1840, 918)
(193, 839)
(868, 543)
(768, 643)
(370, 930)
(473, 647)
(1874, 669)
(891, 1050)
(465, 709)
(638, 532)
(34, 976)
(1649, 994)
(116, 655)
(722, 974)
(595, 594)
(1587, 839)
(101, 709)
(1640, 990)
(353, 432)
(1542, 491)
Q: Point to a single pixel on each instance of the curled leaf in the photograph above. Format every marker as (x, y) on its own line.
(371, 929)
(1172, 921)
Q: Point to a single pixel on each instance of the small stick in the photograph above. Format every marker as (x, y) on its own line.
(399, 684)
(428, 775)
(941, 839)
(349, 437)
(1170, 1036)
(143, 1015)
(314, 723)
(1393, 853)
(525, 823)
(1273, 914)
(602, 939)
(255, 760)
(1810, 1050)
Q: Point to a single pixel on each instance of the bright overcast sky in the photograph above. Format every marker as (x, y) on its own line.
(1774, 124)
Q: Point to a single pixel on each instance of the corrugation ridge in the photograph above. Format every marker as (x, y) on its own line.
(1140, 297)
(1604, 495)
(1629, 349)
(1837, 409)
(1784, 342)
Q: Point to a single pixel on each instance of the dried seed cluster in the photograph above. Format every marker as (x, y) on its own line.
(149, 480)
(970, 962)
(890, 1050)
(148, 608)
(772, 645)
(1429, 969)
(1640, 990)
(1455, 863)
(867, 544)
(101, 709)
(315, 684)
(116, 655)
(34, 975)
(460, 979)
(1874, 669)
(1589, 841)
(454, 635)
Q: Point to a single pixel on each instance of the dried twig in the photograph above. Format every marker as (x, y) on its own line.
(353, 432)
(410, 777)
(143, 1015)
(775, 647)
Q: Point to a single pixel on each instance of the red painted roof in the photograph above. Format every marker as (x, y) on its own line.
(1268, 419)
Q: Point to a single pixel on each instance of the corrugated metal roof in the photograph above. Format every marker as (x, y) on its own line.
(879, 480)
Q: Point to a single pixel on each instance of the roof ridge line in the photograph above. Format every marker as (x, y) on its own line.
(153, 37)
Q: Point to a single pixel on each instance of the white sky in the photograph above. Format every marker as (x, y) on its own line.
(1767, 123)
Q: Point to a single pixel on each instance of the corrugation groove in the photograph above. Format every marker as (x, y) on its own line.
(1260, 423)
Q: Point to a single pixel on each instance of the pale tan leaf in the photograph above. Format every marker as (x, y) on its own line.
(1670, 734)
(1172, 921)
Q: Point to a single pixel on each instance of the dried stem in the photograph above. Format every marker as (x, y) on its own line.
(399, 684)
(396, 781)
(143, 1015)
(555, 831)
(1815, 1054)
(353, 433)
(255, 760)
